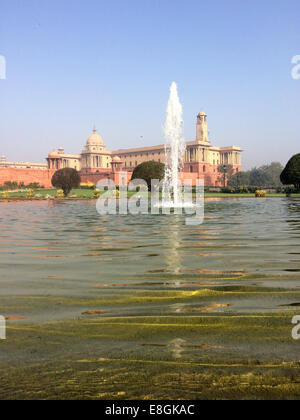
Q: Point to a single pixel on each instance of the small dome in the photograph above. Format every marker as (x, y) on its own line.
(116, 159)
(95, 139)
(61, 150)
(202, 113)
(53, 154)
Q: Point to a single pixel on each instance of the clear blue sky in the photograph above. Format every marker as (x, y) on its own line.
(73, 63)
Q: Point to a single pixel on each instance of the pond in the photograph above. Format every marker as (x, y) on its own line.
(146, 306)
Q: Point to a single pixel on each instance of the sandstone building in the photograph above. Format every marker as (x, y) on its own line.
(95, 162)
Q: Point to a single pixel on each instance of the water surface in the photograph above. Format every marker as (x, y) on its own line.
(148, 288)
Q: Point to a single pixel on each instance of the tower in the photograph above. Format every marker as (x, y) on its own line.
(202, 130)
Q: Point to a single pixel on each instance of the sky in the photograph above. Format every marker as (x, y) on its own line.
(71, 64)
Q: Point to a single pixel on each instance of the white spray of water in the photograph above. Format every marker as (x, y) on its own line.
(175, 145)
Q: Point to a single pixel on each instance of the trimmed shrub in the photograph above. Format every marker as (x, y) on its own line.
(228, 190)
(66, 179)
(97, 194)
(260, 193)
(30, 193)
(60, 194)
(148, 171)
(291, 173)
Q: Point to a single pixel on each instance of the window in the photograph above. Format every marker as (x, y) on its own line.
(191, 169)
(204, 168)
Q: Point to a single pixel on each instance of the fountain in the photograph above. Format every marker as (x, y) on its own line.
(174, 152)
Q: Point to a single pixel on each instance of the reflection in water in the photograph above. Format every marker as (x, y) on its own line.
(173, 245)
(67, 249)
(177, 308)
(176, 347)
(108, 283)
(293, 206)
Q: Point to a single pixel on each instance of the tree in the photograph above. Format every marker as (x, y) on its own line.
(258, 178)
(291, 173)
(239, 179)
(148, 171)
(266, 175)
(66, 179)
(226, 172)
(272, 173)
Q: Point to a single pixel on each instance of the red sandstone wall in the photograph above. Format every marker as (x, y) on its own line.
(211, 175)
(95, 177)
(208, 172)
(42, 176)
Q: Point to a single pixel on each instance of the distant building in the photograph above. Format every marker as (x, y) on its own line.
(201, 158)
(23, 165)
(95, 162)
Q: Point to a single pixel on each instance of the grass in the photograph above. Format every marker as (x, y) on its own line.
(43, 192)
(88, 194)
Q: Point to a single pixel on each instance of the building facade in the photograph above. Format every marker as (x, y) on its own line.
(95, 162)
(21, 165)
(201, 160)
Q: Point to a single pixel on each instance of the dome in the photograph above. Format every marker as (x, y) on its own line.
(116, 159)
(95, 139)
(53, 154)
(202, 113)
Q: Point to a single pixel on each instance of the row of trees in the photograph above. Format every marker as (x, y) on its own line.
(264, 176)
(273, 175)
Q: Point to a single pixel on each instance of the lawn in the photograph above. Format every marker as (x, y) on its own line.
(88, 193)
(80, 193)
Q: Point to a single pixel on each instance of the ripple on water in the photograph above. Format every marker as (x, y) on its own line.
(240, 241)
